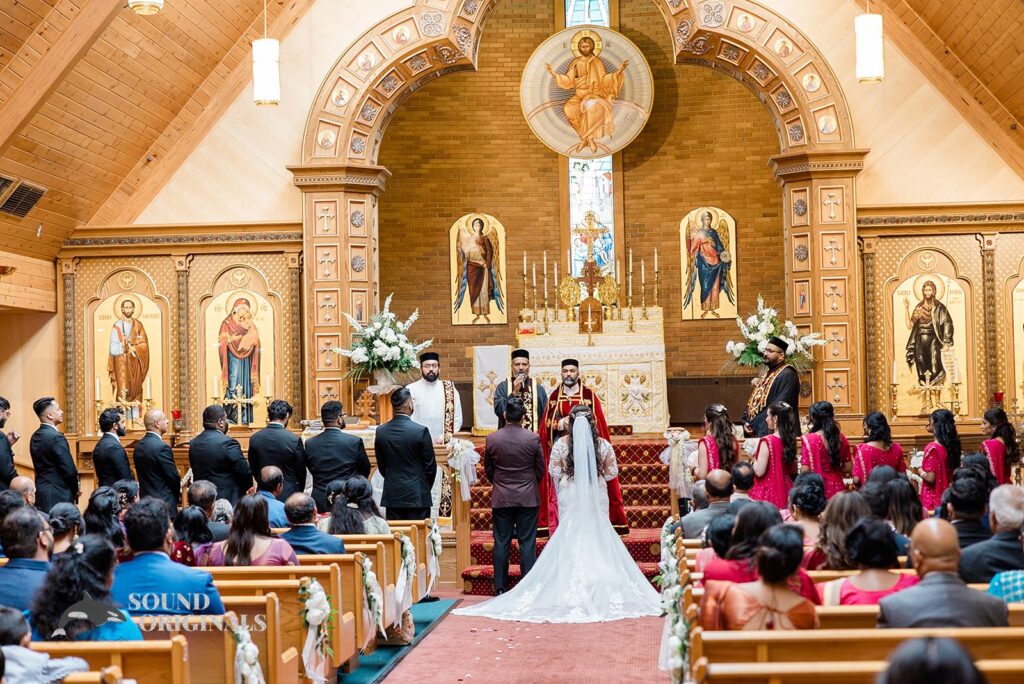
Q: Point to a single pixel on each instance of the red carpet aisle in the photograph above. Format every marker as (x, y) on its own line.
(644, 480)
(464, 649)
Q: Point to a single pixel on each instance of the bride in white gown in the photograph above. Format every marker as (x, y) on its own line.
(585, 573)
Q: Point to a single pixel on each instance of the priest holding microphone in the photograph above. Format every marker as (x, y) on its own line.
(523, 387)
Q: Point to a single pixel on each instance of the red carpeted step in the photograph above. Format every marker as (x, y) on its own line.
(478, 580)
(646, 516)
(646, 495)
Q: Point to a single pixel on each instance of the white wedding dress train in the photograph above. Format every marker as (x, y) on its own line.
(585, 573)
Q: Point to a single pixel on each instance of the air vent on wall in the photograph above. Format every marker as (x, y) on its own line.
(22, 199)
(5, 183)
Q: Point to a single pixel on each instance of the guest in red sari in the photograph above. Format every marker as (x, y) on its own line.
(878, 449)
(1001, 446)
(776, 456)
(941, 458)
(843, 511)
(718, 448)
(739, 563)
(825, 449)
(768, 602)
(871, 544)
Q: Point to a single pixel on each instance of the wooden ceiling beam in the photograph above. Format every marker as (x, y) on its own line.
(222, 87)
(961, 87)
(54, 66)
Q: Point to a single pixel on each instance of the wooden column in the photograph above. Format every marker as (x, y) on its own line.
(339, 230)
(67, 275)
(181, 266)
(823, 272)
(987, 242)
(874, 355)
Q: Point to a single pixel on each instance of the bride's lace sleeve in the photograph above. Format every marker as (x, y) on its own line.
(609, 466)
(556, 466)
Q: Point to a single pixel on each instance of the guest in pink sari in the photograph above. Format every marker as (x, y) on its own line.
(825, 449)
(775, 456)
(718, 448)
(878, 449)
(1001, 447)
(941, 458)
(250, 541)
(871, 545)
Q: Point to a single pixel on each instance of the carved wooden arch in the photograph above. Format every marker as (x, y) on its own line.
(750, 42)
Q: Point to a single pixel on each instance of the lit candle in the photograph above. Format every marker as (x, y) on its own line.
(643, 271)
(894, 369)
(534, 276)
(149, 389)
(524, 263)
(655, 259)
(545, 285)
(545, 264)
(98, 389)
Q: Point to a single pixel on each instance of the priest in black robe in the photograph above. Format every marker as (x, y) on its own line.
(779, 382)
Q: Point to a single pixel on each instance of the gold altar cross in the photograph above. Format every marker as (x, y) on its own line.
(238, 402)
(588, 233)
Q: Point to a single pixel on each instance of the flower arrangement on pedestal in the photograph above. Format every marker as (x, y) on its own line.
(381, 347)
(760, 327)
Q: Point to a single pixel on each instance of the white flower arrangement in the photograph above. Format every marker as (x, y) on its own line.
(382, 344)
(760, 327)
(316, 613)
(247, 658)
(675, 640)
(434, 548)
(406, 576)
(373, 603)
(462, 459)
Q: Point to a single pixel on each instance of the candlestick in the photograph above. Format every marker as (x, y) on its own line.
(643, 271)
(556, 292)
(535, 276)
(630, 259)
(545, 263)
(524, 263)
(894, 369)
(629, 299)
(98, 389)
(526, 298)
(657, 281)
(643, 290)
(655, 259)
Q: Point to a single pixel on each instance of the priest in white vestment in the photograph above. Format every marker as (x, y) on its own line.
(436, 406)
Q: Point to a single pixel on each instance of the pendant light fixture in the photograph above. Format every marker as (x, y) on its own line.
(266, 68)
(870, 46)
(145, 7)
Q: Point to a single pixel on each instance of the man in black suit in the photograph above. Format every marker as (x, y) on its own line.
(405, 458)
(154, 462)
(967, 498)
(333, 455)
(980, 563)
(514, 462)
(108, 456)
(7, 440)
(56, 474)
(274, 445)
(204, 494)
(218, 458)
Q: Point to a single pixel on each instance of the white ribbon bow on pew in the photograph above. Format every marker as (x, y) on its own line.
(463, 460)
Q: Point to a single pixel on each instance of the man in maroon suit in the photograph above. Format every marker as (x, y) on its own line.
(514, 463)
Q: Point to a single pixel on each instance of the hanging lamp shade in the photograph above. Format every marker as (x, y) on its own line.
(870, 49)
(266, 72)
(145, 7)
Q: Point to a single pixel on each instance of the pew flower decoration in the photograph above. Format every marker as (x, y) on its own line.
(675, 638)
(406, 576)
(316, 613)
(433, 555)
(914, 471)
(381, 347)
(681, 459)
(373, 603)
(462, 459)
(760, 327)
(247, 658)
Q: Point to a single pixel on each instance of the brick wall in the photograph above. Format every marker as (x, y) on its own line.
(461, 145)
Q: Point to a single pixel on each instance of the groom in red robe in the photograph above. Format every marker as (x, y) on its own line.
(569, 394)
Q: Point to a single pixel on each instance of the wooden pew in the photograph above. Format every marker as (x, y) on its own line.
(211, 646)
(864, 617)
(278, 663)
(147, 662)
(384, 554)
(842, 672)
(263, 580)
(108, 675)
(992, 643)
(418, 532)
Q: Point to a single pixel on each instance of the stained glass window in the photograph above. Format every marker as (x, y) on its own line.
(579, 12)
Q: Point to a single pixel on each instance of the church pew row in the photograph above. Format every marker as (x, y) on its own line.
(211, 646)
(278, 663)
(381, 550)
(841, 672)
(293, 634)
(147, 662)
(284, 581)
(992, 643)
(108, 675)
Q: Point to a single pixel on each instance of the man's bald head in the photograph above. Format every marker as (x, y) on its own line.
(719, 485)
(271, 480)
(155, 421)
(935, 547)
(26, 487)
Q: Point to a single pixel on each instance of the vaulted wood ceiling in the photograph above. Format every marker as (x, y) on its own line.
(100, 105)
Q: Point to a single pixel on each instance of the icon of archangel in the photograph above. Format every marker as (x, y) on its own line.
(478, 282)
(709, 260)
